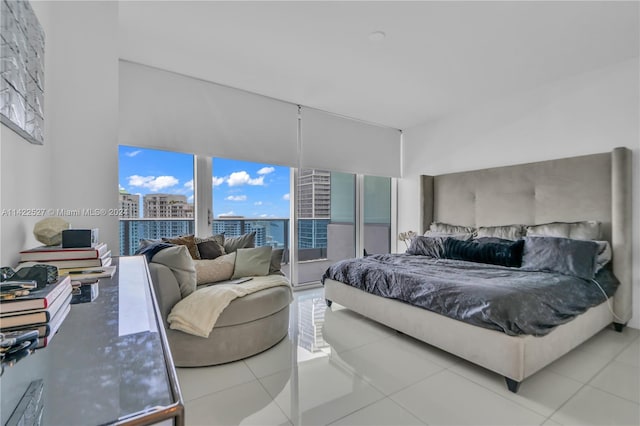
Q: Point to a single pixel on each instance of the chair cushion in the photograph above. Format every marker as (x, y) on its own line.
(254, 306)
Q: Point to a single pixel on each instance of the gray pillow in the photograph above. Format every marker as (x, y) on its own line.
(218, 238)
(232, 244)
(427, 246)
(276, 262)
(211, 247)
(586, 230)
(562, 255)
(178, 259)
(252, 262)
(451, 229)
(458, 236)
(507, 232)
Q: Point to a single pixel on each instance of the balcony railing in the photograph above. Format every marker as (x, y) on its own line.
(269, 232)
(321, 243)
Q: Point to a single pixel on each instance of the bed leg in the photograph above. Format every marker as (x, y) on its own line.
(618, 327)
(329, 302)
(512, 385)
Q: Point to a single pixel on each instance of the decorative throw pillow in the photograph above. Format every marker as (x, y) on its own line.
(562, 255)
(276, 262)
(218, 238)
(507, 232)
(252, 262)
(509, 254)
(427, 246)
(178, 259)
(210, 250)
(185, 240)
(244, 241)
(492, 240)
(215, 270)
(210, 247)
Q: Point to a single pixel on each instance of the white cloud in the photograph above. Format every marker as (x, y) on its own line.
(133, 153)
(153, 183)
(120, 187)
(236, 198)
(257, 203)
(243, 178)
(286, 197)
(264, 215)
(266, 170)
(189, 185)
(217, 181)
(230, 213)
(190, 199)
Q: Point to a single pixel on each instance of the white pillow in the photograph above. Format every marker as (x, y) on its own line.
(604, 254)
(215, 270)
(457, 236)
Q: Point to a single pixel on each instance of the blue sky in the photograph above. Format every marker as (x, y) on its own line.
(240, 188)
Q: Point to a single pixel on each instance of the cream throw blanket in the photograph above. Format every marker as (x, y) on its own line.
(198, 312)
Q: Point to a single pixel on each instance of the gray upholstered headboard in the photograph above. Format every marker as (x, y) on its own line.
(590, 187)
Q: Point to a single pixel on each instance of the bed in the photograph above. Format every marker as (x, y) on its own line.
(594, 187)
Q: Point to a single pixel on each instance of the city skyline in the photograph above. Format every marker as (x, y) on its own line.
(240, 188)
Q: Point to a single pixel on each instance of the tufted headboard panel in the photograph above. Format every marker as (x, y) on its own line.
(590, 187)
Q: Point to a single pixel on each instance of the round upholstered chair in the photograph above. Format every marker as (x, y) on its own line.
(247, 326)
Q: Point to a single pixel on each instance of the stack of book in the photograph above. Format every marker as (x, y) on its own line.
(43, 309)
(68, 258)
(85, 265)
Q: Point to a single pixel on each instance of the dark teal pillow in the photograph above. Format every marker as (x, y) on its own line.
(493, 253)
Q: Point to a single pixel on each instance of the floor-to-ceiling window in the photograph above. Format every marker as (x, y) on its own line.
(252, 197)
(325, 221)
(155, 195)
(376, 214)
(338, 215)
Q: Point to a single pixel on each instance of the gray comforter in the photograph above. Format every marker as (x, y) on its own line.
(496, 297)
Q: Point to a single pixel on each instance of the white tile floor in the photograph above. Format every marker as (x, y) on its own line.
(337, 367)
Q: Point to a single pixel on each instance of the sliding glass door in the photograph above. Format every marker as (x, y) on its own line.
(325, 203)
(377, 215)
(338, 215)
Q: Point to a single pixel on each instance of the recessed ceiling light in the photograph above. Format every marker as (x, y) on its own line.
(377, 35)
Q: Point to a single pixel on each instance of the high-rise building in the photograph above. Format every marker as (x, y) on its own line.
(167, 206)
(314, 194)
(132, 231)
(230, 228)
(129, 205)
(314, 207)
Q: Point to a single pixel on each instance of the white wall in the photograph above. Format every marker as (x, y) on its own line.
(25, 174)
(589, 113)
(76, 168)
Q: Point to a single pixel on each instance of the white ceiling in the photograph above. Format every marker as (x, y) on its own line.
(437, 58)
